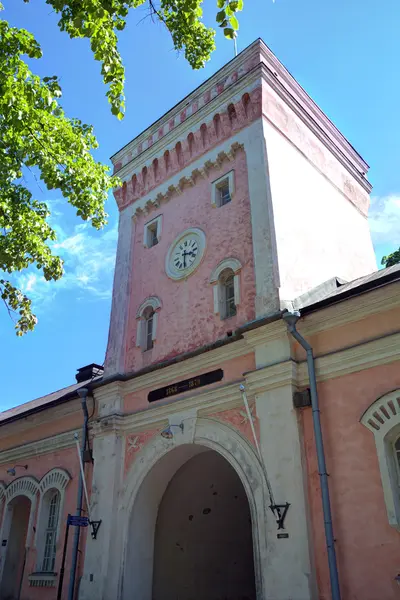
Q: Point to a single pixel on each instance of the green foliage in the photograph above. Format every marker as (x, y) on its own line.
(391, 259)
(36, 134)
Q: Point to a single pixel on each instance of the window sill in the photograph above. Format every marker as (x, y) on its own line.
(42, 579)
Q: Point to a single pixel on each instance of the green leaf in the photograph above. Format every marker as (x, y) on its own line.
(229, 33)
(234, 23)
(220, 3)
(221, 16)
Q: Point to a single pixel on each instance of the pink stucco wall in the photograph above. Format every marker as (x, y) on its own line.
(186, 319)
(367, 546)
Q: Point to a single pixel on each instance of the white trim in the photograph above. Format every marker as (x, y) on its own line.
(55, 479)
(169, 266)
(227, 263)
(158, 222)
(234, 265)
(236, 283)
(216, 299)
(155, 304)
(152, 301)
(215, 186)
(139, 332)
(383, 419)
(23, 486)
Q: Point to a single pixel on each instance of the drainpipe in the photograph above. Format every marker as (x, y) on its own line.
(82, 393)
(291, 320)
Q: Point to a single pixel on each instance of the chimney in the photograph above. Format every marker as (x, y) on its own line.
(89, 372)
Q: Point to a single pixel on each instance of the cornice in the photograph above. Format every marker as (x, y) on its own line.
(272, 376)
(266, 334)
(335, 145)
(220, 398)
(351, 310)
(282, 79)
(178, 371)
(47, 415)
(144, 205)
(203, 98)
(43, 446)
(364, 356)
(192, 125)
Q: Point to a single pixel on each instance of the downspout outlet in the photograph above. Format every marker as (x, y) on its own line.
(291, 318)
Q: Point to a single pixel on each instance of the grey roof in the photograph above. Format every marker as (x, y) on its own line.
(336, 289)
(43, 401)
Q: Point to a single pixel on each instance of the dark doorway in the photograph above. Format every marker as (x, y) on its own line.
(203, 546)
(16, 521)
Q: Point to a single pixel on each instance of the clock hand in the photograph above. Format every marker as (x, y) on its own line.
(184, 259)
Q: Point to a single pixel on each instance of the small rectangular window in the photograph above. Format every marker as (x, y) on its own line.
(152, 232)
(152, 238)
(224, 195)
(223, 190)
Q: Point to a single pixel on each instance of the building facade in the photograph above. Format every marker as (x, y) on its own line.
(242, 204)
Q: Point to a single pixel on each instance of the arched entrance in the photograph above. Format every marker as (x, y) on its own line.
(148, 489)
(203, 545)
(16, 524)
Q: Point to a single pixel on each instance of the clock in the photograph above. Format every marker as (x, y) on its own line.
(185, 253)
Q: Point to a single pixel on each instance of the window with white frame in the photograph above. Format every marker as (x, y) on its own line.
(52, 507)
(152, 232)
(382, 418)
(225, 280)
(147, 318)
(223, 190)
(227, 294)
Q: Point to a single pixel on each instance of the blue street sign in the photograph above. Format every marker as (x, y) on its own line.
(78, 521)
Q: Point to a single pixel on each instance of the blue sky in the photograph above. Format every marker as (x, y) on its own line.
(345, 54)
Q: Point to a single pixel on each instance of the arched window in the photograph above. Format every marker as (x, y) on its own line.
(382, 418)
(225, 280)
(148, 328)
(147, 316)
(227, 294)
(51, 506)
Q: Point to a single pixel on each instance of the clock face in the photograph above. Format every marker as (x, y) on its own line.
(185, 253)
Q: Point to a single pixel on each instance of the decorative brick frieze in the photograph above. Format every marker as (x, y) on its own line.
(221, 127)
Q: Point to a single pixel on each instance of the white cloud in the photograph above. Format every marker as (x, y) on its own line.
(89, 258)
(384, 220)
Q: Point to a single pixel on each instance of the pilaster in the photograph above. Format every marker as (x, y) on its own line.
(98, 580)
(289, 572)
